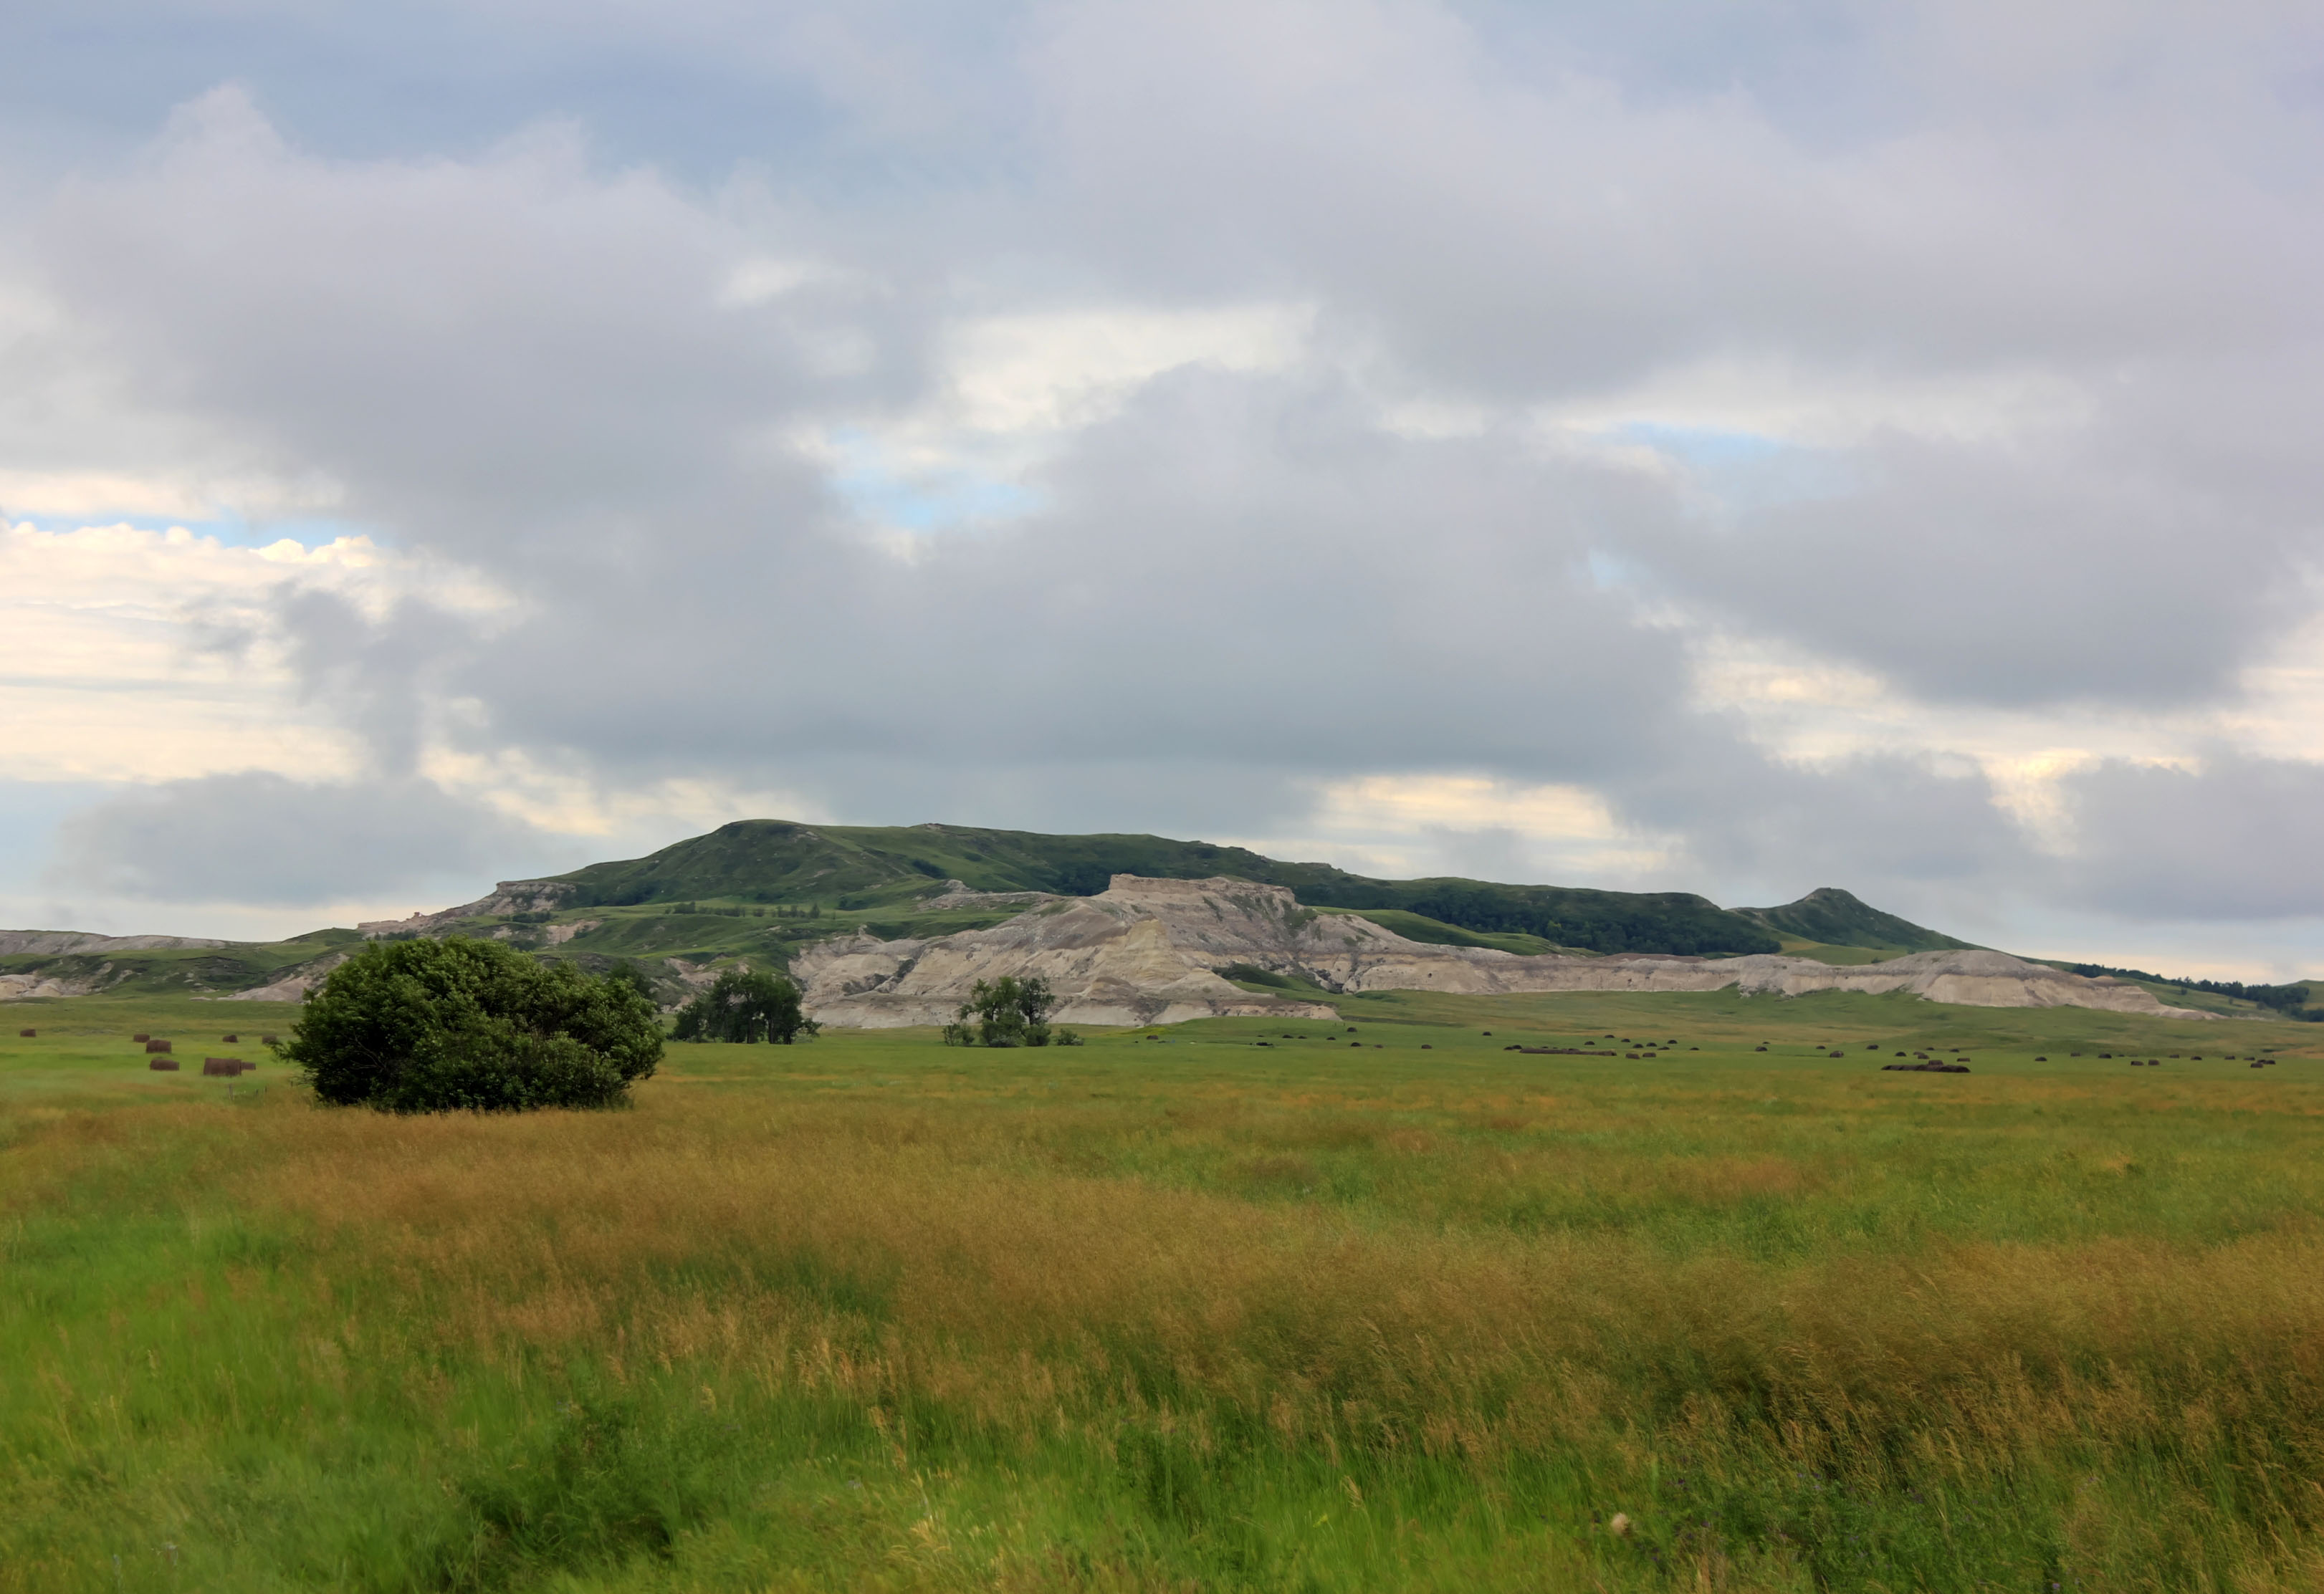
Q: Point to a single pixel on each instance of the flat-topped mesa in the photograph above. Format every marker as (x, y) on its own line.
(1149, 951)
(1148, 889)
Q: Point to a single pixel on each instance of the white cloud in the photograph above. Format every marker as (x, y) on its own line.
(110, 667)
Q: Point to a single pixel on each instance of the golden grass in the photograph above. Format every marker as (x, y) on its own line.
(676, 1233)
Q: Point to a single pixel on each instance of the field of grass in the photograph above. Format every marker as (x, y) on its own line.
(1269, 1306)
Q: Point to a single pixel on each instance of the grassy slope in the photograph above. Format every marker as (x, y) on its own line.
(1830, 917)
(1335, 1313)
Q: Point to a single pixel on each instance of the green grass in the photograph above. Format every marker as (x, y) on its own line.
(1252, 1305)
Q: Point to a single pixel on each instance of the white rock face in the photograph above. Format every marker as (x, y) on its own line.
(1146, 951)
(34, 987)
(1142, 952)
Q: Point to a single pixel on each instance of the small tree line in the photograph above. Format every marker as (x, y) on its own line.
(812, 911)
(1008, 1012)
(2284, 998)
(746, 1007)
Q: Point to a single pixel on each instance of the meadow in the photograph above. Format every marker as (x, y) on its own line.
(1250, 1305)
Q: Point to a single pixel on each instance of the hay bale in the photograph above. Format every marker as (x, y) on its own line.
(140, 1037)
(221, 1067)
(265, 1040)
(163, 1064)
(157, 1045)
(26, 1034)
(230, 1040)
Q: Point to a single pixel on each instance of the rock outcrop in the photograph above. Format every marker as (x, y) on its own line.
(1150, 952)
(1145, 952)
(39, 987)
(508, 896)
(293, 986)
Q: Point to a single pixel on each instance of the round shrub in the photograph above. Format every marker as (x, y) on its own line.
(461, 1025)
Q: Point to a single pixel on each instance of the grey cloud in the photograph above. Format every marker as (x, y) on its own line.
(2243, 838)
(1917, 835)
(260, 838)
(1238, 569)
(476, 351)
(1519, 241)
(1544, 236)
(1969, 571)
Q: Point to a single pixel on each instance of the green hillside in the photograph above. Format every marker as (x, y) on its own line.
(761, 889)
(1837, 918)
(860, 868)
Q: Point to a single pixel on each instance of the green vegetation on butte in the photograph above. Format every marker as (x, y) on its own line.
(1829, 917)
(860, 868)
(1365, 1305)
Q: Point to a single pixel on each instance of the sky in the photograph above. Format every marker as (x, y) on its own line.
(1718, 446)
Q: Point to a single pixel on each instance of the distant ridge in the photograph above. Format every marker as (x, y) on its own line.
(1837, 918)
(867, 868)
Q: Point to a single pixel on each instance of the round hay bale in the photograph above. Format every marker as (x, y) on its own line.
(157, 1045)
(163, 1064)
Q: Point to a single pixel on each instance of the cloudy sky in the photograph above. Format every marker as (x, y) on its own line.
(1724, 446)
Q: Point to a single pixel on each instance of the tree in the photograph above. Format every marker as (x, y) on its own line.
(1009, 1012)
(428, 1026)
(742, 1006)
(627, 973)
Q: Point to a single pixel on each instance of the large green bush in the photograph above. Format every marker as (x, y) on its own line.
(459, 1024)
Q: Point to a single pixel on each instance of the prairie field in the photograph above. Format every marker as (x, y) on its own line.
(1388, 1307)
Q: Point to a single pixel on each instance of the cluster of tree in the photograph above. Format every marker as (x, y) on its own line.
(746, 1007)
(459, 1024)
(2285, 999)
(1008, 1012)
(812, 911)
